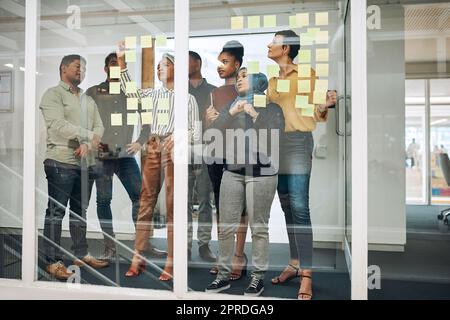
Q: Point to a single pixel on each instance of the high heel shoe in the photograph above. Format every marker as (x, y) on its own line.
(277, 280)
(240, 269)
(136, 268)
(302, 294)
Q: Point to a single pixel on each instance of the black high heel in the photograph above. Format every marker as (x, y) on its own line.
(237, 274)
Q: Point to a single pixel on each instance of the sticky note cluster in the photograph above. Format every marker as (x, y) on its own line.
(253, 22)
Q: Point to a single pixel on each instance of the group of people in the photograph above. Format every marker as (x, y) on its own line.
(275, 155)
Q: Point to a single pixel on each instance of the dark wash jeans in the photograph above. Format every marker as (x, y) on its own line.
(66, 184)
(127, 170)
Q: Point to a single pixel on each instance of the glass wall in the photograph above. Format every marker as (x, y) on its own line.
(104, 167)
(407, 50)
(245, 247)
(12, 73)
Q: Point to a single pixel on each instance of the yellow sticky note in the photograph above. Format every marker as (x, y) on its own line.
(132, 119)
(321, 85)
(304, 70)
(308, 111)
(130, 42)
(163, 104)
(254, 22)
(132, 103)
(283, 85)
(313, 31)
(114, 88)
(270, 21)
(302, 19)
(237, 23)
(301, 102)
(146, 42)
(161, 40)
(147, 103)
(322, 37)
(304, 86)
(273, 71)
(114, 72)
(321, 18)
(163, 119)
(322, 70)
(253, 67)
(116, 119)
(147, 118)
(259, 100)
(306, 39)
(320, 97)
(304, 56)
(292, 22)
(130, 87)
(322, 55)
(130, 56)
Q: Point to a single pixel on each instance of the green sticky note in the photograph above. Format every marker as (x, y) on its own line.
(304, 86)
(292, 22)
(147, 118)
(270, 21)
(130, 56)
(302, 19)
(259, 100)
(254, 22)
(163, 119)
(146, 41)
(306, 39)
(130, 87)
(322, 70)
(132, 103)
(308, 111)
(253, 67)
(132, 119)
(283, 85)
(116, 119)
(163, 104)
(147, 103)
(321, 85)
(322, 37)
(237, 23)
(114, 88)
(301, 102)
(114, 72)
(321, 18)
(273, 71)
(304, 70)
(320, 97)
(130, 42)
(304, 56)
(322, 55)
(161, 40)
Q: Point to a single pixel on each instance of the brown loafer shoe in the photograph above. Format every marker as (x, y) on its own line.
(91, 261)
(58, 270)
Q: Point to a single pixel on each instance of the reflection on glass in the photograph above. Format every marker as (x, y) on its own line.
(11, 141)
(106, 132)
(241, 81)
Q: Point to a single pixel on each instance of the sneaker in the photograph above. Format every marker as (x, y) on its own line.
(217, 286)
(58, 270)
(255, 288)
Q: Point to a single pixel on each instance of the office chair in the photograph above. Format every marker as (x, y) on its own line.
(444, 162)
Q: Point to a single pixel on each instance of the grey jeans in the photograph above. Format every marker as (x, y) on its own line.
(256, 195)
(199, 181)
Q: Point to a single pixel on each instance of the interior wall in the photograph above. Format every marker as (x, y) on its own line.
(386, 129)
